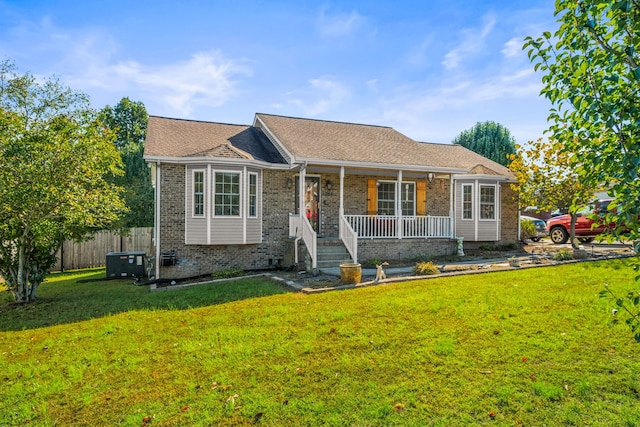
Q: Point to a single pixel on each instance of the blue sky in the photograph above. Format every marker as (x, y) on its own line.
(430, 69)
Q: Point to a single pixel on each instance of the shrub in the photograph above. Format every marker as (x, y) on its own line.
(373, 262)
(227, 273)
(527, 229)
(426, 268)
(562, 255)
(422, 258)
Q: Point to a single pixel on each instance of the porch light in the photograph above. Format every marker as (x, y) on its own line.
(378, 183)
(289, 183)
(329, 185)
(431, 176)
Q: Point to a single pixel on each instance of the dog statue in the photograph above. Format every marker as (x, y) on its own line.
(380, 274)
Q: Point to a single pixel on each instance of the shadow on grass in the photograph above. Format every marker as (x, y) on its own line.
(62, 300)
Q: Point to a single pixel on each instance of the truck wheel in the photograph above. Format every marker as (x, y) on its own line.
(559, 235)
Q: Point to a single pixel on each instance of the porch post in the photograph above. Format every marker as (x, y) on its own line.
(301, 189)
(451, 218)
(341, 208)
(399, 205)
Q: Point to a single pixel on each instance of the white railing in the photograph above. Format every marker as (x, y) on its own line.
(310, 241)
(349, 238)
(386, 226)
(299, 226)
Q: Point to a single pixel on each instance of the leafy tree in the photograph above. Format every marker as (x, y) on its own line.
(591, 75)
(545, 181)
(128, 119)
(490, 139)
(54, 158)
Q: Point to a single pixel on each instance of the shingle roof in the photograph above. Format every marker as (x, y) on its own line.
(308, 139)
(190, 138)
(326, 140)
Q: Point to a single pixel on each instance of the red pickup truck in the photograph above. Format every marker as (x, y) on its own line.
(586, 226)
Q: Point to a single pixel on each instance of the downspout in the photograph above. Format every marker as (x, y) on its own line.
(399, 206)
(451, 210)
(156, 186)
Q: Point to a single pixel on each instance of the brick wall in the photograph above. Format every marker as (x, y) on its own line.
(278, 201)
(509, 200)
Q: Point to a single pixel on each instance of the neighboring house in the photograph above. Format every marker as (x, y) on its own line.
(231, 195)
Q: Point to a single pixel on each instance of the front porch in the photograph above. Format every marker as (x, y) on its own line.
(402, 209)
(384, 236)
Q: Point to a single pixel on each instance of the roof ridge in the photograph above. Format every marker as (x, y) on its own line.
(197, 121)
(324, 120)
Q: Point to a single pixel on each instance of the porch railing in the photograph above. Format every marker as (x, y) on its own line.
(299, 226)
(349, 238)
(386, 226)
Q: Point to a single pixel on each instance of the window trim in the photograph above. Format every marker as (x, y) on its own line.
(193, 193)
(471, 210)
(387, 200)
(494, 204)
(215, 193)
(403, 193)
(252, 197)
(395, 197)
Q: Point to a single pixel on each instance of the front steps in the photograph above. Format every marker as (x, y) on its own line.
(331, 253)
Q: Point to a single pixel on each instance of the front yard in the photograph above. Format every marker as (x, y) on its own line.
(521, 347)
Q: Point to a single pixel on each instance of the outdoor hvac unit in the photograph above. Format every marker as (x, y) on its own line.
(126, 264)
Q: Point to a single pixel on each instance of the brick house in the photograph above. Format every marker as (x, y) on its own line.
(290, 190)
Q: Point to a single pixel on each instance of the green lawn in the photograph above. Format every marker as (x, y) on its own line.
(534, 347)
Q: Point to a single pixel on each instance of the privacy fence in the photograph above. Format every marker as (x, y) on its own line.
(93, 253)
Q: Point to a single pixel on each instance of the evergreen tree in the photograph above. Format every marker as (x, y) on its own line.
(489, 139)
(128, 120)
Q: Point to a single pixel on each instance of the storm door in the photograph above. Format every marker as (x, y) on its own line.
(311, 200)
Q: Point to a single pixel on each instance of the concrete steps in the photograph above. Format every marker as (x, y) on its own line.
(331, 253)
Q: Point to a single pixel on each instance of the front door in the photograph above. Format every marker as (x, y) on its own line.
(311, 200)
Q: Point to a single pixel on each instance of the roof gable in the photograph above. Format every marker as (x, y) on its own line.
(175, 138)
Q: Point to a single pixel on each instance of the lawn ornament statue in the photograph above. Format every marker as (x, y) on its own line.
(380, 274)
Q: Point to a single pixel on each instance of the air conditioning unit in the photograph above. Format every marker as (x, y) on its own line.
(126, 264)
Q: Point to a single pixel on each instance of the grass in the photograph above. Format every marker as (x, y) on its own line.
(526, 347)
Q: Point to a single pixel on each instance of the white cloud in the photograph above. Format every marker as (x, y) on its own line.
(206, 79)
(86, 60)
(338, 25)
(322, 94)
(372, 84)
(472, 43)
(439, 114)
(512, 48)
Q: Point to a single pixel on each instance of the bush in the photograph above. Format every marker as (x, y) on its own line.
(227, 273)
(422, 258)
(562, 255)
(373, 262)
(426, 268)
(527, 229)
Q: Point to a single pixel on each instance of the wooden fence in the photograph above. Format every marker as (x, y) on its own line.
(93, 253)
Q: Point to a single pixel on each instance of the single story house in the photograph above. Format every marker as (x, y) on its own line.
(286, 191)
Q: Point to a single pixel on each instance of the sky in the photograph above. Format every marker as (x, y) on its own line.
(428, 68)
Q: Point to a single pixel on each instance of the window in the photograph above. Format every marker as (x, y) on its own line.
(387, 198)
(487, 202)
(198, 193)
(253, 195)
(408, 197)
(467, 201)
(227, 194)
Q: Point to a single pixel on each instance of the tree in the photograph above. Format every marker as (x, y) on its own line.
(55, 155)
(544, 181)
(489, 139)
(591, 75)
(128, 119)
